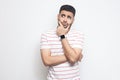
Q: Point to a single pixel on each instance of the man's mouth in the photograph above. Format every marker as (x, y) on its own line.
(65, 25)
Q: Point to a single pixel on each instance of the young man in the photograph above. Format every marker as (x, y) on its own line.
(61, 49)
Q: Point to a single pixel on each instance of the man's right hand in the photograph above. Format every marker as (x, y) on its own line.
(61, 30)
(81, 56)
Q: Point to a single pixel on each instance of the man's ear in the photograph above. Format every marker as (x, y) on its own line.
(58, 19)
(58, 16)
(73, 20)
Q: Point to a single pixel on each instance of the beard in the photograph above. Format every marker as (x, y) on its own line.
(65, 25)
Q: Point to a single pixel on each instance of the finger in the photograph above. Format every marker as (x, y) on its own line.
(60, 23)
(80, 59)
(67, 27)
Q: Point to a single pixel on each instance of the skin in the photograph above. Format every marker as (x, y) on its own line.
(71, 55)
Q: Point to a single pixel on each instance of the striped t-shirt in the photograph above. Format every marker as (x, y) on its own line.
(64, 71)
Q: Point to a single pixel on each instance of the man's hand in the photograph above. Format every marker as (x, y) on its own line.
(81, 56)
(61, 30)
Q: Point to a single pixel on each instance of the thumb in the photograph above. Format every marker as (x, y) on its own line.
(59, 23)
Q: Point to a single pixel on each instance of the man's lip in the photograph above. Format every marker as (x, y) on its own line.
(64, 23)
(65, 26)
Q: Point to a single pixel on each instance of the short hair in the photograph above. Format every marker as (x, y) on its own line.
(68, 8)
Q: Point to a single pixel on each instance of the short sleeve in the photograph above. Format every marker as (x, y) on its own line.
(44, 42)
(78, 41)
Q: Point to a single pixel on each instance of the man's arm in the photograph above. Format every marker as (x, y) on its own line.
(72, 54)
(49, 60)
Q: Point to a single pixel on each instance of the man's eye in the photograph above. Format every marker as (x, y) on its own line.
(63, 15)
(69, 17)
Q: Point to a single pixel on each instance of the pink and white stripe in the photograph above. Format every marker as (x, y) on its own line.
(64, 71)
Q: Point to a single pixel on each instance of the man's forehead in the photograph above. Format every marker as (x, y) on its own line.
(66, 12)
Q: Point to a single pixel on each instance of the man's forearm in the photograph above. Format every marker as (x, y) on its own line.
(70, 54)
(55, 60)
(49, 60)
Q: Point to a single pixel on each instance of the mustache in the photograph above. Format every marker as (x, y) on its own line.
(65, 24)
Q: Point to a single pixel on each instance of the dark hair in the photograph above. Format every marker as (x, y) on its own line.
(67, 8)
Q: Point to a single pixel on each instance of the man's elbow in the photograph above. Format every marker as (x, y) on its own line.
(73, 60)
(46, 63)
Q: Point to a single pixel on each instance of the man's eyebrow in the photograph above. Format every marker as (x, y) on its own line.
(69, 16)
(62, 14)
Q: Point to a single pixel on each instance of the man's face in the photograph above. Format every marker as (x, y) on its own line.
(66, 18)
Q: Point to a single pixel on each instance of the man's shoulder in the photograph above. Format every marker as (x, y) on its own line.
(75, 31)
(49, 32)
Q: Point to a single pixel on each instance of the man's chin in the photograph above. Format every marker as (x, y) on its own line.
(65, 26)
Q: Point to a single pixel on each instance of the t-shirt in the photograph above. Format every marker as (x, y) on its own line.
(63, 71)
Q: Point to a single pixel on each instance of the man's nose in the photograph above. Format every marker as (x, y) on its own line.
(65, 19)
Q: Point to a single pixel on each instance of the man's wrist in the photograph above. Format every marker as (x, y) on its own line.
(62, 37)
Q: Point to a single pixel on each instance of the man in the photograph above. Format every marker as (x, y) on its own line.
(61, 49)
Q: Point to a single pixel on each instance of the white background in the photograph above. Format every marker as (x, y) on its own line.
(22, 22)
